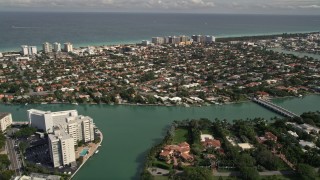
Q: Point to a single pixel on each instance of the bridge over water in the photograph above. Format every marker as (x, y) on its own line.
(278, 109)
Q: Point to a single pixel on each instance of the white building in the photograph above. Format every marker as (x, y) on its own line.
(47, 47)
(25, 50)
(210, 39)
(145, 42)
(61, 148)
(56, 47)
(81, 128)
(5, 121)
(44, 120)
(68, 47)
(157, 40)
(32, 50)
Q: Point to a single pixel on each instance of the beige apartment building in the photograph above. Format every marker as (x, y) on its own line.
(5, 121)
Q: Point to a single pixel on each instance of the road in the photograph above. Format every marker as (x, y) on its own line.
(160, 172)
(266, 173)
(13, 157)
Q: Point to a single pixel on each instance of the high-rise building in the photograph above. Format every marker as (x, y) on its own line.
(25, 50)
(5, 121)
(61, 147)
(68, 47)
(175, 40)
(45, 120)
(32, 50)
(56, 47)
(184, 38)
(145, 42)
(210, 39)
(1, 55)
(158, 40)
(81, 128)
(47, 47)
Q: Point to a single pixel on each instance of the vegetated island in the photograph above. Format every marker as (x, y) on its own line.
(185, 73)
(284, 148)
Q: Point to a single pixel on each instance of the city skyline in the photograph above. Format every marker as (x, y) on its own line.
(299, 7)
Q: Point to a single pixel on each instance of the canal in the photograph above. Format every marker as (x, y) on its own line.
(129, 131)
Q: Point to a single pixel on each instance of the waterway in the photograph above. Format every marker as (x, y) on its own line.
(130, 131)
(299, 54)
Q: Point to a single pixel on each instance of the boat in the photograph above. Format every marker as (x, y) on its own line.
(96, 151)
(26, 104)
(99, 145)
(75, 103)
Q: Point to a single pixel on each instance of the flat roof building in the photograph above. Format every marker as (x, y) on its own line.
(68, 47)
(47, 47)
(5, 121)
(61, 148)
(80, 128)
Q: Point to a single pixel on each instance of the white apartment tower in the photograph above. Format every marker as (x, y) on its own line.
(24, 50)
(80, 128)
(68, 47)
(32, 50)
(47, 47)
(61, 148)
(56, 47)
(5, 121)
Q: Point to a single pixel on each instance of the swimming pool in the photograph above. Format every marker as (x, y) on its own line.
(84, 152)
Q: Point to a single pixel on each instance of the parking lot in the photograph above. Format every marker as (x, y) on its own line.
(38, 153)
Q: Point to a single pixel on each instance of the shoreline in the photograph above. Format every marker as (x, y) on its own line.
(88, 156)
(163, 105)
(219, 38)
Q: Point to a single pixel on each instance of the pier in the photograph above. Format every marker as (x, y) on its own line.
(278, 109)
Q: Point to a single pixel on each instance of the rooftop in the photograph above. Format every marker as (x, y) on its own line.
(4, 114)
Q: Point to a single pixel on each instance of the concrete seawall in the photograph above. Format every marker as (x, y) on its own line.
(91, 153)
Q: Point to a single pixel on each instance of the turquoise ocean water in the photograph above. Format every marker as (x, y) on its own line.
(82, 29)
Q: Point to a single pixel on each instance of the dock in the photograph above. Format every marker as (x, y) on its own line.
(275, 108)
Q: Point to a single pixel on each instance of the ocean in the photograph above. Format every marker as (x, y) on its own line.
(83, 29)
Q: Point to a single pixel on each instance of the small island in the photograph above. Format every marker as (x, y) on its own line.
(282, 148)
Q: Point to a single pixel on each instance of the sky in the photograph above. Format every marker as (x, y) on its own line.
(303, 7)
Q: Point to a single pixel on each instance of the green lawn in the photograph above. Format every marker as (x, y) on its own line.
(181, 135)
(160, 178)
(206, 131)
(161, 164)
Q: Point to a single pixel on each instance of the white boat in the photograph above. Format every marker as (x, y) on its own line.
(97, 151)
(26, 104)
(75, 103)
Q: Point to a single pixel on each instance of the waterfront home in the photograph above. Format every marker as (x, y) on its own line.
(304, 127)
(208, 141)
(267, 136)
(181, 150)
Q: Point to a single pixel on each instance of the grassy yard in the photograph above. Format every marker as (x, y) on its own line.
(160, 178)
(181, 135)
(161, 164)
(206, 131)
